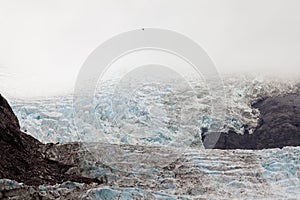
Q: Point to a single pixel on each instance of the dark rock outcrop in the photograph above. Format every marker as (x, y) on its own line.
(280, 122)
(279, 126)
(21, 158)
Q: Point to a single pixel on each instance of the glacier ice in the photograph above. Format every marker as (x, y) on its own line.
(196, 174)
(153, 114)
(154, 136)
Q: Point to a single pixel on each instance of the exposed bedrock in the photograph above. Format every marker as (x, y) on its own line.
(279, 126)
(21, 158)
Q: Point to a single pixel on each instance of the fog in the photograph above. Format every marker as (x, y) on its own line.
(44, 43)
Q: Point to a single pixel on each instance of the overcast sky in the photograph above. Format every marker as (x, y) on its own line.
(43, 43)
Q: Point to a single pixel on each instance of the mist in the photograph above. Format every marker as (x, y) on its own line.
(44, 43)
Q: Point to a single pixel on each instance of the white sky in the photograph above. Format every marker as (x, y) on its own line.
(43, 43)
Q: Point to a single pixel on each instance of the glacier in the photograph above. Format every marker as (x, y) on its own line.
(196, 174)
(152, 148)
(153, 114)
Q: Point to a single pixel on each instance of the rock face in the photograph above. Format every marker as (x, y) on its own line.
(280, 122)
(279, 126)
(21, 158)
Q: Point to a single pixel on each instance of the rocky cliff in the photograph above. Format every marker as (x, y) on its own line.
(21, 158)
(279, 126)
